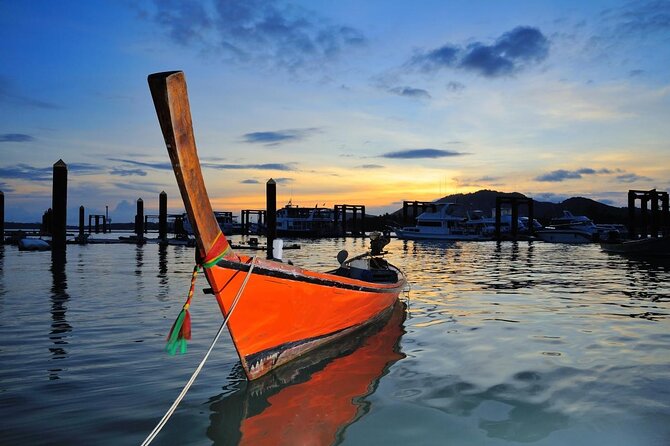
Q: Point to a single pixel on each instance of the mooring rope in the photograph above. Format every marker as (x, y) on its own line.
(195, 374)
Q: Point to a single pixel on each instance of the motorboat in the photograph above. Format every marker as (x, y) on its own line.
(439, 222)
(569, 228)
(296, 221)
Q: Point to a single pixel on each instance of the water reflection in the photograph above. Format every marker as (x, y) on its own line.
(163, 288)
(59, 298)
(313, 399)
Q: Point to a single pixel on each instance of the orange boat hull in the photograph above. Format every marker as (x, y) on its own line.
(285, 311)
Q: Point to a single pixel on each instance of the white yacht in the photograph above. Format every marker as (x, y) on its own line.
(569, 229)
(439, 223)
(298, 221)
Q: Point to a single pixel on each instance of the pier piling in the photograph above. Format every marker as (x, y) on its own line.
(162, 216)
(139, 220)
(59, 206)
(81, 223)
(271, 214)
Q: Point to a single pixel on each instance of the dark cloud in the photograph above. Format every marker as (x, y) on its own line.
(455, 86)
(9, 94)
(635, 73)
(250, 181)
(421, 153)
(562, 175)
(159, 166)
(266, 166)
(273, 138)
(559, 175)
(265, 32)
(31, 173)
(371, 166)
(127, 172)
(410, 92)
(16, 137)
(509, 54)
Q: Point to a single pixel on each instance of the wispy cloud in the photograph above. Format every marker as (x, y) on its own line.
(32, 173)
(119, 171)
(640, 18)
(371, 166)
(266, 166)
(632, 178)
(262, 32)
(283, 180)
(273, 138)
(421, 153)
(510, 53)
(410, 92)
(159, 166)
(250, 181)
(455, 86)
(16, 137)
(4, 187)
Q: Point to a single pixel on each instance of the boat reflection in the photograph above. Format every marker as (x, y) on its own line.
(313, 399)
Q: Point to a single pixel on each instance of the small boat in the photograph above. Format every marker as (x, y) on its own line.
(650, 246)
(440, 223)
(281, 311)
(568, 228)
(33, 244)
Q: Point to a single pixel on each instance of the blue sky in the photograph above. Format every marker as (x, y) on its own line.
(354, 102)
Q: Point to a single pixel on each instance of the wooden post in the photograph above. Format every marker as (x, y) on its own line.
(531, 217)
(498, 218)
(631, 215)
(404, 213)
(81, 223)
(655, 215)
(59, 205)
(515, 218)
(363, 221)
(162, 216)
(139, 220)
(2, 217)
(271, 212)
(645, 216)
(354, 221)
(97, 224)
(665, 200)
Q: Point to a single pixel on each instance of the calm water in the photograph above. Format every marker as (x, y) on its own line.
(512, 343)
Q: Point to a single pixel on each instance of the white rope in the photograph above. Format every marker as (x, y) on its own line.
(190, 382)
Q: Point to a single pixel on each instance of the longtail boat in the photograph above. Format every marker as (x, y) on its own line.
(281, 311)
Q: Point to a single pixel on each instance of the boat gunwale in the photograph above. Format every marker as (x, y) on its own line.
(298, 274)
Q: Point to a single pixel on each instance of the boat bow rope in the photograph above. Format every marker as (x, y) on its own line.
(181, 328)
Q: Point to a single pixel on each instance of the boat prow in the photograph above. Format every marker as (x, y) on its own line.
(283, 310)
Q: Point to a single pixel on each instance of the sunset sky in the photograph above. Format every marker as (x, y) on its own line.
(358, 102)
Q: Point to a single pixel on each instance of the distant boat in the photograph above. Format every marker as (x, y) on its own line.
(296, 221)
(439, 223)
(650, 246)
(569, 228)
